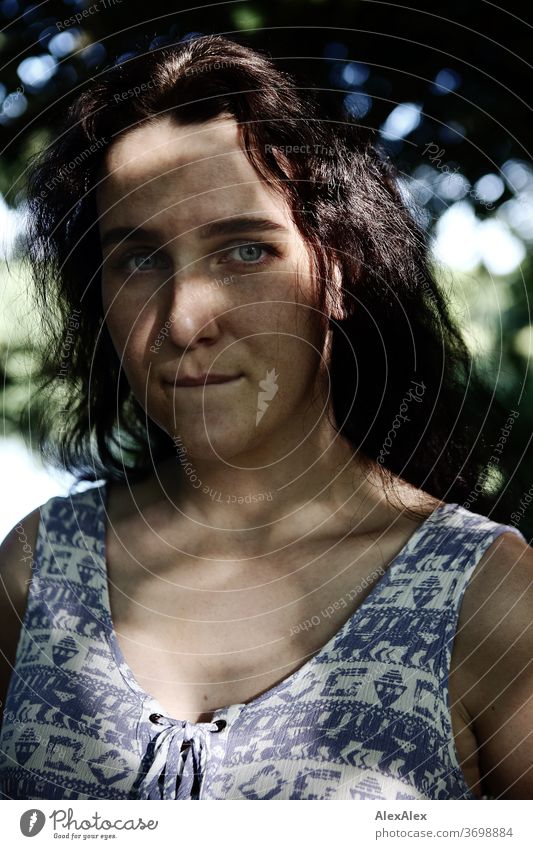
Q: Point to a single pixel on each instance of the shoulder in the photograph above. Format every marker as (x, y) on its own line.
(16, 557)
(494, 651)
(498, 600)
(17, 553)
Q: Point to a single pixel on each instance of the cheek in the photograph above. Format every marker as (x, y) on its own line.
(290, 340)
(128, 326)
(297, 308)
(297, 330)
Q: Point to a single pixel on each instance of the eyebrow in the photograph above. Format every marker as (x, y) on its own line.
(207, 231)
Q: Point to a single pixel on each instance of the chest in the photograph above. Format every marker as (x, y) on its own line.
(200, 632)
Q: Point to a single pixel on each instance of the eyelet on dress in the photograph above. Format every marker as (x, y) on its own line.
(155, 717)
(221, 724)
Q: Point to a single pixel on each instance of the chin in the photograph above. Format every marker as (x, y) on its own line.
(205, 442)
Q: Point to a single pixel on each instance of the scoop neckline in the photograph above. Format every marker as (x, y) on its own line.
(150, 702)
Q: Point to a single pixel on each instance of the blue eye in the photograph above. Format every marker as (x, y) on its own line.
(251, 254)
(143, 261)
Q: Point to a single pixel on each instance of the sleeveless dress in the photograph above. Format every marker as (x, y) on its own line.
(366, 717)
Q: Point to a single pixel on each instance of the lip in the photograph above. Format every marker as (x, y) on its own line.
(201, 380)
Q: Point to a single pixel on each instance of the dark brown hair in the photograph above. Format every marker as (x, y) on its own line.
(397, 334)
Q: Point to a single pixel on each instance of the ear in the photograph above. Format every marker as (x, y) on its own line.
(335, 296)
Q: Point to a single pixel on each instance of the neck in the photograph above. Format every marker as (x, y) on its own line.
(292, 481)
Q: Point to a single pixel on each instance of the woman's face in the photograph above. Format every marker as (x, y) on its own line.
(191, 288)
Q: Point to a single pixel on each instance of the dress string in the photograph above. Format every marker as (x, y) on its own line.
(172, 773)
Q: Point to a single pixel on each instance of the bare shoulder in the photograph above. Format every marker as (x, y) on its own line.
(17, 552)
(493, 652)
(498, 600)
(16, 557)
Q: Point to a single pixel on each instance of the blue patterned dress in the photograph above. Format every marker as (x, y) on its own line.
(367, 717)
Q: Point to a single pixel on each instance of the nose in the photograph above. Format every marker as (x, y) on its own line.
(195, 311)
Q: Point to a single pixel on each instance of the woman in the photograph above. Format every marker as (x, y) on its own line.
(261, 599)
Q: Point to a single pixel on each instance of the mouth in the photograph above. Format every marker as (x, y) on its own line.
(202, 381)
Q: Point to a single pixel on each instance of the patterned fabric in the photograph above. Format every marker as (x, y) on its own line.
(367, 717)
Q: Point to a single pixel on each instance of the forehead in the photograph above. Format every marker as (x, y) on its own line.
(197, 171)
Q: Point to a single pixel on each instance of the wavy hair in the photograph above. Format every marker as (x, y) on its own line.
(403, 386)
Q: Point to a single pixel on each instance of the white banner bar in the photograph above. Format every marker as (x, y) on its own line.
(227, 825)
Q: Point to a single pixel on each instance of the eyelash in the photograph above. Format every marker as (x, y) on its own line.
(270, 250)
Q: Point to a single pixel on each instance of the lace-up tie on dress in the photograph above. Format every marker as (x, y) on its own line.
(175, 773)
